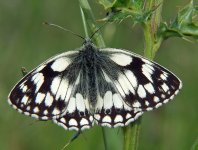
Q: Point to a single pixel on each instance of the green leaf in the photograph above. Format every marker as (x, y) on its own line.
(132, 4)
(106, 3)
(121, 3)
(185, 24)
(137, 4)
(165, 32)
(185, 15)
(122, 9)
(118, 15)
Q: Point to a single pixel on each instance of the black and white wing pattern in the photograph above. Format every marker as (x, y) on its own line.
(132, 86)
(79, 115)
(50, 92)
(111, 87)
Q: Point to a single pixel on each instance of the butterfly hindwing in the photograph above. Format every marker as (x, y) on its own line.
(110, 109)
(77, 114)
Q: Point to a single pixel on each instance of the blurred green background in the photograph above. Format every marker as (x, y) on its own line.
(24, 41)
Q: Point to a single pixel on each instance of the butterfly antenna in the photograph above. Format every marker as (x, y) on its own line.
(57, 26)
(98, 30)
(72, 139)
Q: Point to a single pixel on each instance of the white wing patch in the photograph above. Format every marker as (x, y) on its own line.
(147, 72)
(121, 59)
(141, 92)
(62, 89)
(117, 101)
(48, 100)
(71, 105)
(131, 77)
(80, 102)
(61, 64)
(149, 87)
(38, 80)
(39, 98)
(108, 102)
(24, 99)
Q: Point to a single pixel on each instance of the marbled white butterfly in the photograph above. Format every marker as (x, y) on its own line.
(109, 87)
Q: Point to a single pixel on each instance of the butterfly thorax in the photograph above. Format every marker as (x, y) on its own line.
(89, 55)
(89, 52)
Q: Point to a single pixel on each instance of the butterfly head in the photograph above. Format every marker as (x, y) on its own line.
(88, 43)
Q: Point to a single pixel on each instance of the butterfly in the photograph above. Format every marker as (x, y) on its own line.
(105, 86)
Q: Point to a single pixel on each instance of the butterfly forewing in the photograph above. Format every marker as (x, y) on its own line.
(128, 85)
(45, 92)
(141, 83)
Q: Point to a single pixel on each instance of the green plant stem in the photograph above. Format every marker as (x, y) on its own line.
(148, 50)
(84, 23)
(88, 20)
(104, 132)
(131, 135)
(150, 28)
(131, 132)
